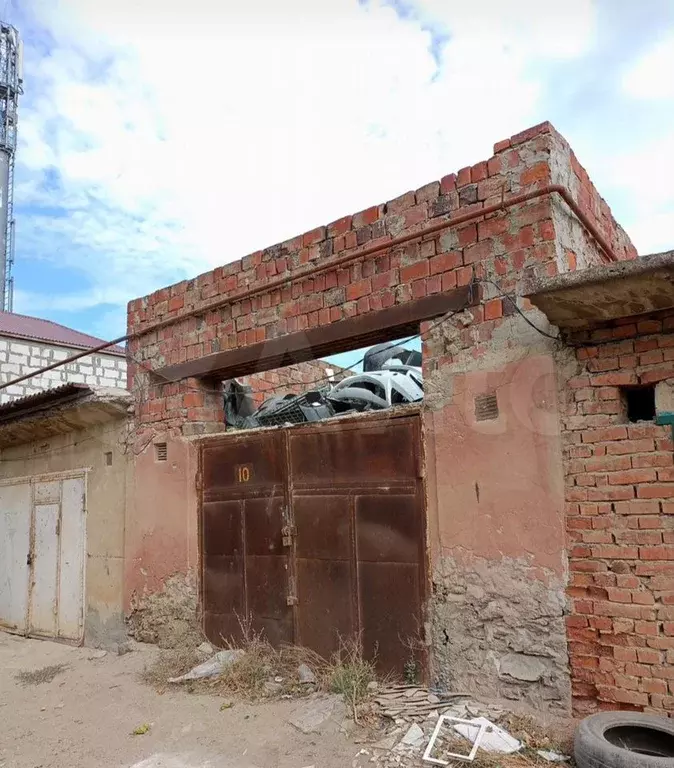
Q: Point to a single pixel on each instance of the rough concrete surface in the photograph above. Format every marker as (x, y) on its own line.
(499, 631)
(169, 617)
(86, 715)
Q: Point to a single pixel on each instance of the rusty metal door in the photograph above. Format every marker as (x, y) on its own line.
(245, 565)
(340, 516)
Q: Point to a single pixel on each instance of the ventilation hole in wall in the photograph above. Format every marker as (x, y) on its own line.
(160, 451)
(108, 458)
(486, 407)
(640, 402)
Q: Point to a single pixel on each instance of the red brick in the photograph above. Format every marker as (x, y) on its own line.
(444, 262)
(622, 379)
(646, 627)
(607, 463)
(315, 236)
(624, 654)
(653, 460)
(663, 552)
(649, 656)
(632, 476)
(176, 303)
(604, 435)
(467, 235)
(448, 184)
(630, 446)
(356, 290)
(480, 252)
(494, 166)
(536, 173)
(478, 172)
(656, 491)
(384, 280)
(463, 177)
(419, 289)
(501, 145)
(339, 227)
(660, 373)
(414, 272)
(464, 275)
(493, 309)
(617, 553)
(448, 281)
(614, 493)
(368, 216)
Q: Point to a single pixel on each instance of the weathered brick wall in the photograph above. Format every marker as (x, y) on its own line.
(292, 379)
(19, 356)
(504, 247)
(620, 521)
(495, 495)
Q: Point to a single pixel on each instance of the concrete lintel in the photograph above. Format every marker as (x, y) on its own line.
(589, 296)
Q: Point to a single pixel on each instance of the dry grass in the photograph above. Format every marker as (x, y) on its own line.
(523, 727)
(350, 674)
(265, 672)
(171, 663)
(42, 675)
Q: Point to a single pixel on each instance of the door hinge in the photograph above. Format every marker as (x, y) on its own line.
(197, 482)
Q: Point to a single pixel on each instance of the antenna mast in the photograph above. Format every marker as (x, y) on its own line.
(11, 82)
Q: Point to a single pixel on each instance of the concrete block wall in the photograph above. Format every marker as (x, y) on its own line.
(21, 356)
(620, 521)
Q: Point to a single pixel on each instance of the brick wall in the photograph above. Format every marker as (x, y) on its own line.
(503, 247)
(495, 499)
(620, 522)
(19, 356)
(292, 379)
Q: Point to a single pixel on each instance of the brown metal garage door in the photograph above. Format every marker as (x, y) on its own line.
(316, 533)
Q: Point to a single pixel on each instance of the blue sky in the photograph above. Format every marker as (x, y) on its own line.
(160, 139)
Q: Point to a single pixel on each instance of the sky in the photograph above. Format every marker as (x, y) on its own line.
(159, 139)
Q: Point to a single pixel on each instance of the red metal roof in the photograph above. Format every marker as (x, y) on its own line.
(24, 327)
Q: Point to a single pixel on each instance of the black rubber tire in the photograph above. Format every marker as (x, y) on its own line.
(593, 750)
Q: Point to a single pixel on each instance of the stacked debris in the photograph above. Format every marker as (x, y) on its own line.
(391, 377)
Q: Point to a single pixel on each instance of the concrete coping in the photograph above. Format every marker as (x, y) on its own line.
(599, 294)
(59, 411)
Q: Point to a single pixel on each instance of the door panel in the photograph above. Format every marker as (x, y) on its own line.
(15, 503)
(327, 614)
(71, 572)
(389, 600)
(320, 539)
(43, 609)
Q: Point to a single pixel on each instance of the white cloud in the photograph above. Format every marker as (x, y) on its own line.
(187, 136)
(652, 76)
(646, 171)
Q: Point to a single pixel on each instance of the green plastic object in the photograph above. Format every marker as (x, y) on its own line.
(664, 417)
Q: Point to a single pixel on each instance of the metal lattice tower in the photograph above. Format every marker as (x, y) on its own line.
(11, 79)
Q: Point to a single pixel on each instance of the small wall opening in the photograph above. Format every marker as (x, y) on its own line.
(160, 451)
(108, 458)
(640, 403)
(372, 378)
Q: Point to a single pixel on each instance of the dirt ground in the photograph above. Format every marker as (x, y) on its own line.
(86, 716)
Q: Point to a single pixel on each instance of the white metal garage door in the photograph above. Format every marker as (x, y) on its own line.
(42, 535)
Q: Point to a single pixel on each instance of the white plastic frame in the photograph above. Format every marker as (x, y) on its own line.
(467, 758)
